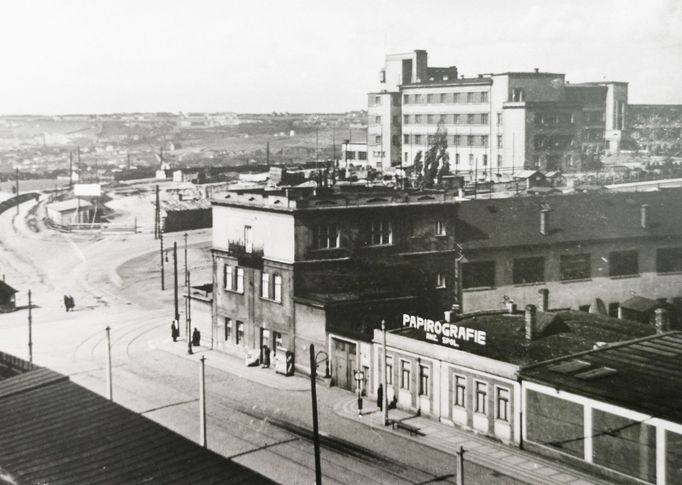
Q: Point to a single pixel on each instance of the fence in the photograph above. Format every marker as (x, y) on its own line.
(103, 227)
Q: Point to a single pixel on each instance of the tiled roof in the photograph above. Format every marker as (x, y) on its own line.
(6, 289)
(558, 334)
(572, 218)
(647, 375)
(54, 431)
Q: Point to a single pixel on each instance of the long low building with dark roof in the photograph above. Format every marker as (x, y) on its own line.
(616, 409)
(55, 431)
(580, 247)
(464, 371)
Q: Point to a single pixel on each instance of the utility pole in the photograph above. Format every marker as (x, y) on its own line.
(110, 394)
(163, 273)
(175, 279)
(70, 169)
(157, 218)
(316, 432)
(384, 375)
(30, 329)
(267, 153)
(17, 187)
(460, 466)
(202, 402)
(80, 180)
(189, 319)
(185, 279)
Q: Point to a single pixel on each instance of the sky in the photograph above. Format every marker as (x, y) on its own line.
(97, 56)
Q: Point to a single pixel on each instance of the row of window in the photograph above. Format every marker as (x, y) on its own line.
(328, 236)
(452, 140)
(230, 333)
(459, 388)
(558, 142)
(446, 119)
(457, 98)
(481, 274)
(470, 157)
(349, 155)
(270, 288)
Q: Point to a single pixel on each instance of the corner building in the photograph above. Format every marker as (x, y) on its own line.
(495, 123)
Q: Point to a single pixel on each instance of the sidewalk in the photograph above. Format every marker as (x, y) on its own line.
(480, 450)
(234, 365)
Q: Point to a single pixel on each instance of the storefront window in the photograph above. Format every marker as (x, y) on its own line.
(405, 375)
(240, 333)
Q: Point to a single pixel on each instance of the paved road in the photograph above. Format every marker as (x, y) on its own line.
(115, 283)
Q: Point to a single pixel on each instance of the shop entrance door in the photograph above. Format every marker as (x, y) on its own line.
(344, 364)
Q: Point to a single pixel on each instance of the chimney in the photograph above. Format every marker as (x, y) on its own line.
(543, 299)
(645, 210)
(537, 70)
(544, 221)
(511, 307)
(661, 320)
(530, 322)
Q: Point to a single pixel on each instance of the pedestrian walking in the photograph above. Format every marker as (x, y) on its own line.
(266, 356)
(380, 397)
(196, 337)
(66, 302)
(72, 303)
(174, 331)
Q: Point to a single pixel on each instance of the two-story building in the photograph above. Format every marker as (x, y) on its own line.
(324, 267)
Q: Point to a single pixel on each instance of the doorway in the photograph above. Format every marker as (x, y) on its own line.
(344, 358)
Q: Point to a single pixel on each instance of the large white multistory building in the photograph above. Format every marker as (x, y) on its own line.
(495, 123)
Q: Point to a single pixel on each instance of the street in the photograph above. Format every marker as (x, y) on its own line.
(114, 280)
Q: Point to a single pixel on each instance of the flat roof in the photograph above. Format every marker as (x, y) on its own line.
(558, 334)
(69, 205)
(55, 431)
(642, 375)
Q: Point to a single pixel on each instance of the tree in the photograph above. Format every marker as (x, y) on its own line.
(437, 160)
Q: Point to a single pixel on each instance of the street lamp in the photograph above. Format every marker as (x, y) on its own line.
(359, 377)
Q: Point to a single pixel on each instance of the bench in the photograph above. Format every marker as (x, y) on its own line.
(413, 430)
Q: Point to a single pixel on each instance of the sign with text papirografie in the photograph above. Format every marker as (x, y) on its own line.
(444, 333)
(87, 190)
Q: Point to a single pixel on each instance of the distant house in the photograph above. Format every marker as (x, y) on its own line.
(72, 211)
(7, 298)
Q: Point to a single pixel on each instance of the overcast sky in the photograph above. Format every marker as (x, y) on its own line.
(92, 56)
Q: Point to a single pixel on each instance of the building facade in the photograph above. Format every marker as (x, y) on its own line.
(495, 123)
(295, 268)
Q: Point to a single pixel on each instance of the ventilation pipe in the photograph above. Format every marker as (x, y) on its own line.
(543, 299)
(530, 322)
(645, 216)
(544, 221)
(661, 320)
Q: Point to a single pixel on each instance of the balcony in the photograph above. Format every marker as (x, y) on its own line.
(247, 259)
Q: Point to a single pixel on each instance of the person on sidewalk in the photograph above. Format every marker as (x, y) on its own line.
(380, 397)
(266, 357)
(196, 337)
(66, 302)
(72, 303)
(175, 332)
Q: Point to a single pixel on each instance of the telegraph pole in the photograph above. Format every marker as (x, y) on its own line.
(70, 169)
(175, 279)
(186, 288)
(110, 394)
(189, 319)
(316, 432)
(17, 187)
(163, 274)
(157, 218)
(460, 466)
(384, 374)
(202, 402)
(30, 329)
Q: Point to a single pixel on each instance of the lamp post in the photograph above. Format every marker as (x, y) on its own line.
(175, 279)
(384, 375)
(359, 377)
(189, 319)
(316, 433)
(30, 329)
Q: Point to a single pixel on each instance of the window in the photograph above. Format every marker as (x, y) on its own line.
(484, 140)
(623, 263)
(377, 100)
(481, 397)
(471, 158)
(460, 388)
(264, 285)
(350, 155)
(528, 270)
(406, 99)
(668, 260)
(456, 158)
(442, 118)
(419, 119)
(478, 275)
(406, 139)
(470, 97)
(485, 160)
(538, 118)
(395, 140)
(470, 140)
(362, 155)
(406, 119)
(389, 370)
(517, 94)
(326, 236)
(228, 277)
(484, 119)
(440, 228)
(228, 329)
(440, 280)
(421, 99)
(431, 98)
(574, 267)
(377, 139)
(431, 119)
(457, 119)
(381, 233)
(471, 119)
(499, 160)
(377, 120)
(424, 372)
(240, 280)
(499, 119)
(418, 139)
(277, 287)
(502, 404)
(499, 141)
(484, 97)
(239, 337)
(443, 98)
(405, 375)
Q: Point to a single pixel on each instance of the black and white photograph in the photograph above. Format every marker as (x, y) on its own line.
(359, 242)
